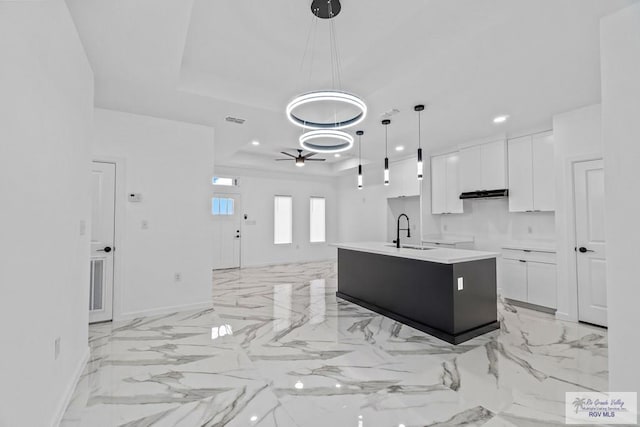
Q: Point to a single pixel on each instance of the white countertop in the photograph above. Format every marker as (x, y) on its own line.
(531, 245)
(439, 255)
(447, 239)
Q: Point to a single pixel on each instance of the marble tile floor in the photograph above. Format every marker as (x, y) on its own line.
(277, 348)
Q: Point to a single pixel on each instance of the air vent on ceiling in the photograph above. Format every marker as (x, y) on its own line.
(234, 120)
(389, 113)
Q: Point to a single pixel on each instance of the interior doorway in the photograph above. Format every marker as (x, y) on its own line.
(590, 241)
(103, 187)
(226, 211)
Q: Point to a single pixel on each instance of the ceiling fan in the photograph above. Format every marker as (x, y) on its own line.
(300, 159)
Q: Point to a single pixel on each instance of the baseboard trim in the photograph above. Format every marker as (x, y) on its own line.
(561, 315)
(162, 310)
(71, 388)
(273, 264)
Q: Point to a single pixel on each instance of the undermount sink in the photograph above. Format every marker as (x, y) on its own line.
(417, 248)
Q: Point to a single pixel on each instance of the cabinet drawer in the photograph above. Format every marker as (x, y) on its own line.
(529, 255)
(439, 245)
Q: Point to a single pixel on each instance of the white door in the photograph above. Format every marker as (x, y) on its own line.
(103, 181)
(590, 242)
(226, 212)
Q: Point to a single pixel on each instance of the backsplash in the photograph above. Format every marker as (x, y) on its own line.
(491, 224)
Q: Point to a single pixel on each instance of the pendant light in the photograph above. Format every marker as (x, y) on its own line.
(419, 109)
(360, 133)
(308, 110)
(386, 123)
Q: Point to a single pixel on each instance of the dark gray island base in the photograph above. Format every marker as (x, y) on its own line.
(423, 294)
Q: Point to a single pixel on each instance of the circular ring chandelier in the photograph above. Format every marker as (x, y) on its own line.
(319, 97)
(346, 141)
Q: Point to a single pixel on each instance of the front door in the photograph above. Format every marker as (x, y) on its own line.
(103, 182)
(225, 209)
(590, 242)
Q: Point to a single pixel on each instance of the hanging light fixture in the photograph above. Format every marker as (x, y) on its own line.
(419, 109)
(326, 112)
(386, 123)
(360, 133)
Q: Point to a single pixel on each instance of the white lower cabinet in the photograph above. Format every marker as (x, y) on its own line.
(530, 276)
(541, 284)
(514, 279)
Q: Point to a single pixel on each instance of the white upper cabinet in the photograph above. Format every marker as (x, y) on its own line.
(544, 189)
(520, 175)
(438, 184)
(483, 167)
(445, 192)
(470, 169)
(531, 173)
(403, 179)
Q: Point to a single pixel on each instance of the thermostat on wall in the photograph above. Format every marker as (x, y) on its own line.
(135, 197)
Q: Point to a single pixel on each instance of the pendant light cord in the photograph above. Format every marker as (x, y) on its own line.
(386, 150)
(419, 130)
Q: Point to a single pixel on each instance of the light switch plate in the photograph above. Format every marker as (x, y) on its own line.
(460, 283)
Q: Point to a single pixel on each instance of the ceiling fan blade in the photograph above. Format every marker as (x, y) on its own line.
(306, 156)
(315, 160)
(277, 160)
(287, 154)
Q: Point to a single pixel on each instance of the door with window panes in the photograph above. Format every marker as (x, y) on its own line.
(225, 209)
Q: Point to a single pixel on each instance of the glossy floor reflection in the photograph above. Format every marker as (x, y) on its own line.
(278, 348)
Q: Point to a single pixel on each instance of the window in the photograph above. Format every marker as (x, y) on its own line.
(283, 220)
(221, 206)
(317, 220)
(227, 182)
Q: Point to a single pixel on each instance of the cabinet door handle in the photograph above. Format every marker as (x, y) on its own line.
(521, 260)
(527, 250)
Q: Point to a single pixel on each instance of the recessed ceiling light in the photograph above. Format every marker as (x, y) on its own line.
(299, 385)
(500, 119)
(336, 155)
(254, 418)
(255, 143)
(399, 147)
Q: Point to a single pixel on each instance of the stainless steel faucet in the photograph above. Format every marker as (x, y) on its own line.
(397, 242)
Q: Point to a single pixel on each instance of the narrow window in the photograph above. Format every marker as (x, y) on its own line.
(227, 182)
(221, 206)
(317, 220)
(283, 220)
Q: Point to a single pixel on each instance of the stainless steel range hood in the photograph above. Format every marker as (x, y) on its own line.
(485, 194)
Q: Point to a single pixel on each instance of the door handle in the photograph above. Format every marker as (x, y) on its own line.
(582, 249)
(106, 249)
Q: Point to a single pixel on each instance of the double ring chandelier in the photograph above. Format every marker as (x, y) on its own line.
(326, 134)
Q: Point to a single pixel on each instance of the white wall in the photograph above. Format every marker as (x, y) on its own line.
(577, 136)
(409, 206)
(171, 164)
(46, 110)
(620, 47)
(366, 214)
(362, 213)
(258, 190)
